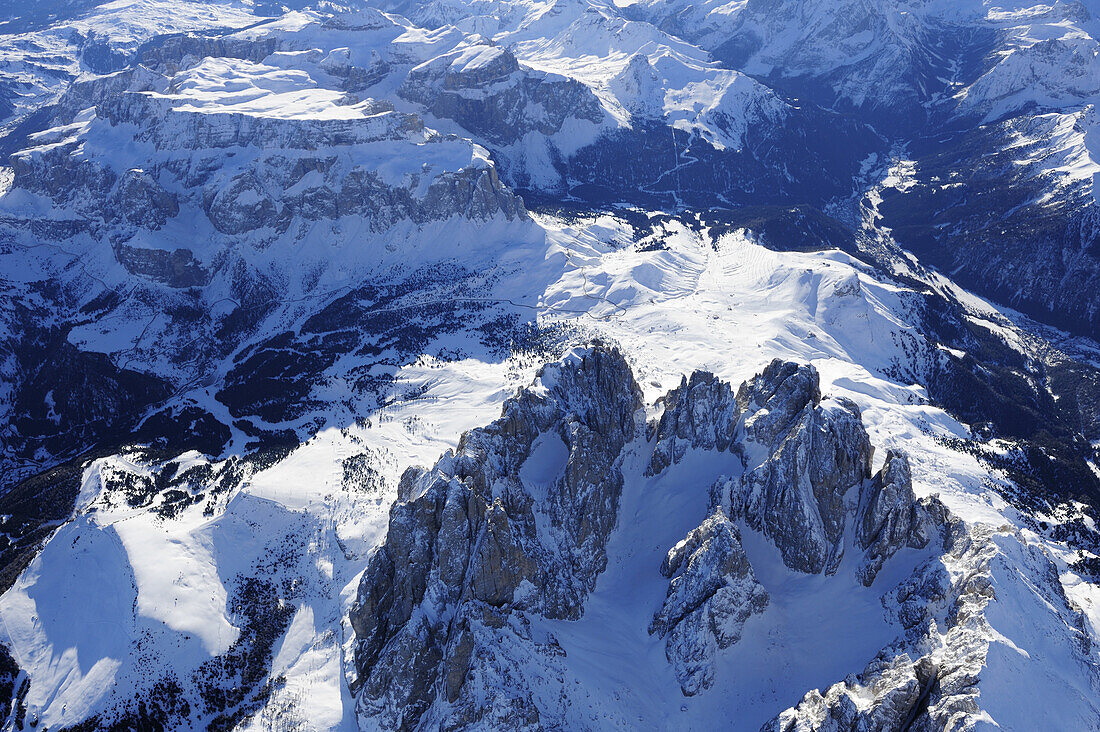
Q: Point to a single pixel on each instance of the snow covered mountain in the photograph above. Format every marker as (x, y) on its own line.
(549, 364)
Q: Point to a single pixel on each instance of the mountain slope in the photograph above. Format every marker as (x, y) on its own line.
(542, 365)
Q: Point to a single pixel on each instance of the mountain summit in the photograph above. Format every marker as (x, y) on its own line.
(549, 365)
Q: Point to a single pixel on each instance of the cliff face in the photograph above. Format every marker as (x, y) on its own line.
(260, 260)
(515, 525)
(516, 519)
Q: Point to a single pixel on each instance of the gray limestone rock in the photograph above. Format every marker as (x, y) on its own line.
(487, 91)
(298, 169)
(177, 268)
(814, 453)
(885, 699)
(774, 398)
(68, 179)
(890, 516)
(466, 542)
(242, 205)
(701, 413)
(161, 124)
(929, 679)
(711, 593)
(514, 525)
(141, 201)
(474, 193)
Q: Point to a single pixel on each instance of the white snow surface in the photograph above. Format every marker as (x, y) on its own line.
(727, 306)
(119, 593)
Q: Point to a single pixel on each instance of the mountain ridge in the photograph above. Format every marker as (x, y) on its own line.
(260, 262)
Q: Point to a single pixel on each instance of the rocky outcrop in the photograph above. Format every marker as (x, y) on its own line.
(447, 549)
(928, 680)
(486, 90)
(55, 171)
(88, 92)
(242, 205)
(170, 52)
(301, 168)
(701, 413)
(476, 538)
(474, 193)
(804, 458)
(796, 495)
(177, 268)
(711, 593)
(142, 201)
(515, 523)
(801, 456)
(774, 398)
(890, 516)
(507, 539)
(886, 702)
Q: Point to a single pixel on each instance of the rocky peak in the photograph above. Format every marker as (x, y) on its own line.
(701, 413)
(772, 399)
(801, 455)
(795, 496)
(516, 521)
(517, 517)
(712, 591)
(638, 86)
(891, 517)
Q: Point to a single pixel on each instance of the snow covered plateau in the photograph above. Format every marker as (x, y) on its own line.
(550, 365)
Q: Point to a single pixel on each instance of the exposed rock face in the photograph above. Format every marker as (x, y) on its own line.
(142, 201)
(243, 205)
(308, 169)
(487, 91)
(447, 548)
(775, 398)
(891, 517)
(701, 413)
(69, 180)
(711, 593)
(895, 686)
(330, 224)
(477, 193)
(929, 679)
(472, 542)
(89, 92)
(162, 123)
(176, 268)
(801, 456)
(174, 50)
(796, 495)
(515, 524)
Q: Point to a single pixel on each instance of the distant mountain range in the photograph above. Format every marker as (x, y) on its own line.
(550, 365)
